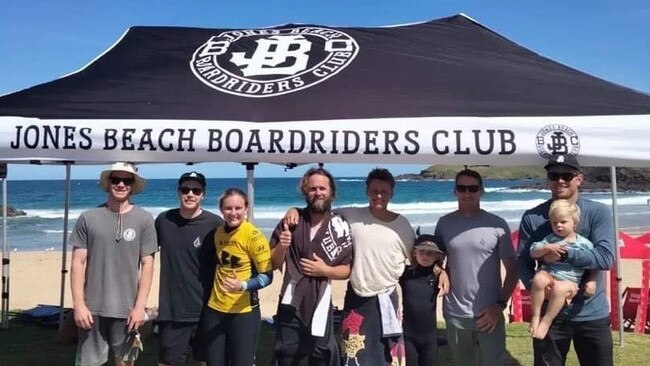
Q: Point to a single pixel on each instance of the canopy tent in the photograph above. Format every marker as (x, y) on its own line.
(448, 91)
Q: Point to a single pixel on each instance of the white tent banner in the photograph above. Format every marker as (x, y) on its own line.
(598, 140)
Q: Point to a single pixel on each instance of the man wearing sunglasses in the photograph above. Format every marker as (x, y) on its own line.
(477, 243)
(187, 264)
(112, 269)
(586, 320)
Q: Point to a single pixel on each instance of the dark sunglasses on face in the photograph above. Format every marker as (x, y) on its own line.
(557, 176)
(463, 188)
(126, 181)
(426, 252)
(196, 190)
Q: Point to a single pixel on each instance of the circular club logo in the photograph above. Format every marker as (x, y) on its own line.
(557, 139)
(129, 234)
(260, 63)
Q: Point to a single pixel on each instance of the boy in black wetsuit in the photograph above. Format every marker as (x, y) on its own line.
(419, 292)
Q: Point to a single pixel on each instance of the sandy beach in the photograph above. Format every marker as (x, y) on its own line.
(35, 278)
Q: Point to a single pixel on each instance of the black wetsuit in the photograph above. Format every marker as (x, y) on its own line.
(419, 294)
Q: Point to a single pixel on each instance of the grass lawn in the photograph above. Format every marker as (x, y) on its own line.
(28, 343)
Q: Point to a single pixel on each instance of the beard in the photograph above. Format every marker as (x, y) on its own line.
(319, 205)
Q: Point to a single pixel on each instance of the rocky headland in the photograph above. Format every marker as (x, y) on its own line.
(596, 178)
(11, 211)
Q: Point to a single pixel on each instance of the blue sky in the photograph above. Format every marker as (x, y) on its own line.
(45, 39)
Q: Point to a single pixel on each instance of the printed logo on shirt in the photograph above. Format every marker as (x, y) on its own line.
(228, 259)
(129, 234)
(337, 237)
(341, 228)
(255, 235)
(197, 242)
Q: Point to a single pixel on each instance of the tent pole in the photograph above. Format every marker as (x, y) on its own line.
(617, 263)
(64, 249)
(4, 321)
(250, 190)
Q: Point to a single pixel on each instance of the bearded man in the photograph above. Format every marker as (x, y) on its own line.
(316, 251)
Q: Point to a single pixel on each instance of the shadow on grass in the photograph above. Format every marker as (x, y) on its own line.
(27, 342)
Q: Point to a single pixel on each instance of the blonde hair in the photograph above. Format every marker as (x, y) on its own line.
(561, 208)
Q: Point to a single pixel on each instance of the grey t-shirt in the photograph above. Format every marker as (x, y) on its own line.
(475, 247)
(113, 260)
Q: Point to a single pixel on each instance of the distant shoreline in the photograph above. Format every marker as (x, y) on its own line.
(597, 179)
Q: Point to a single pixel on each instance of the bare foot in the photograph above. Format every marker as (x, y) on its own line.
(541, 330)
(534, 322)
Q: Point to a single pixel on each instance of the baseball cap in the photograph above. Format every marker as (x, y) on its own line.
(192, 176)
(427, 241)
(562, 164)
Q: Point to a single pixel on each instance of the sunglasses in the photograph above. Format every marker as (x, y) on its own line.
(426, 252)
(117, 180)
(196, 190)
(472, 188)
(557, 176)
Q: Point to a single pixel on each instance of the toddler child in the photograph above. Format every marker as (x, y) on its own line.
(558, 282)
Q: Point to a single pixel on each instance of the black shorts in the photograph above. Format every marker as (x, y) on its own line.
(177, 340)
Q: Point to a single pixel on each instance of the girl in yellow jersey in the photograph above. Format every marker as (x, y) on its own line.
(231, 320)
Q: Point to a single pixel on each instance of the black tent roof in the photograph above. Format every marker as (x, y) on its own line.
(446, 67)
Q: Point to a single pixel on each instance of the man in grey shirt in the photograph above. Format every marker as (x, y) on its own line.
(112, 269)
(477, 242)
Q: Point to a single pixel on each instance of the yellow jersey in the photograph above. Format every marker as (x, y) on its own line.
(244, 252)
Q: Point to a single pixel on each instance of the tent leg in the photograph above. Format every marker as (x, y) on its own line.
(250, 190)
(617, 262)
(64, 249)
(4, 321)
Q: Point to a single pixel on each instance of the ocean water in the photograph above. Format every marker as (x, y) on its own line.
(421, 202)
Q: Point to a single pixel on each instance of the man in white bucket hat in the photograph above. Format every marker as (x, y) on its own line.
(122, 169)
(112, 269)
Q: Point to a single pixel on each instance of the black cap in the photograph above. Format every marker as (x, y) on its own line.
(192, 176)
(563, 164)
(427, 241)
